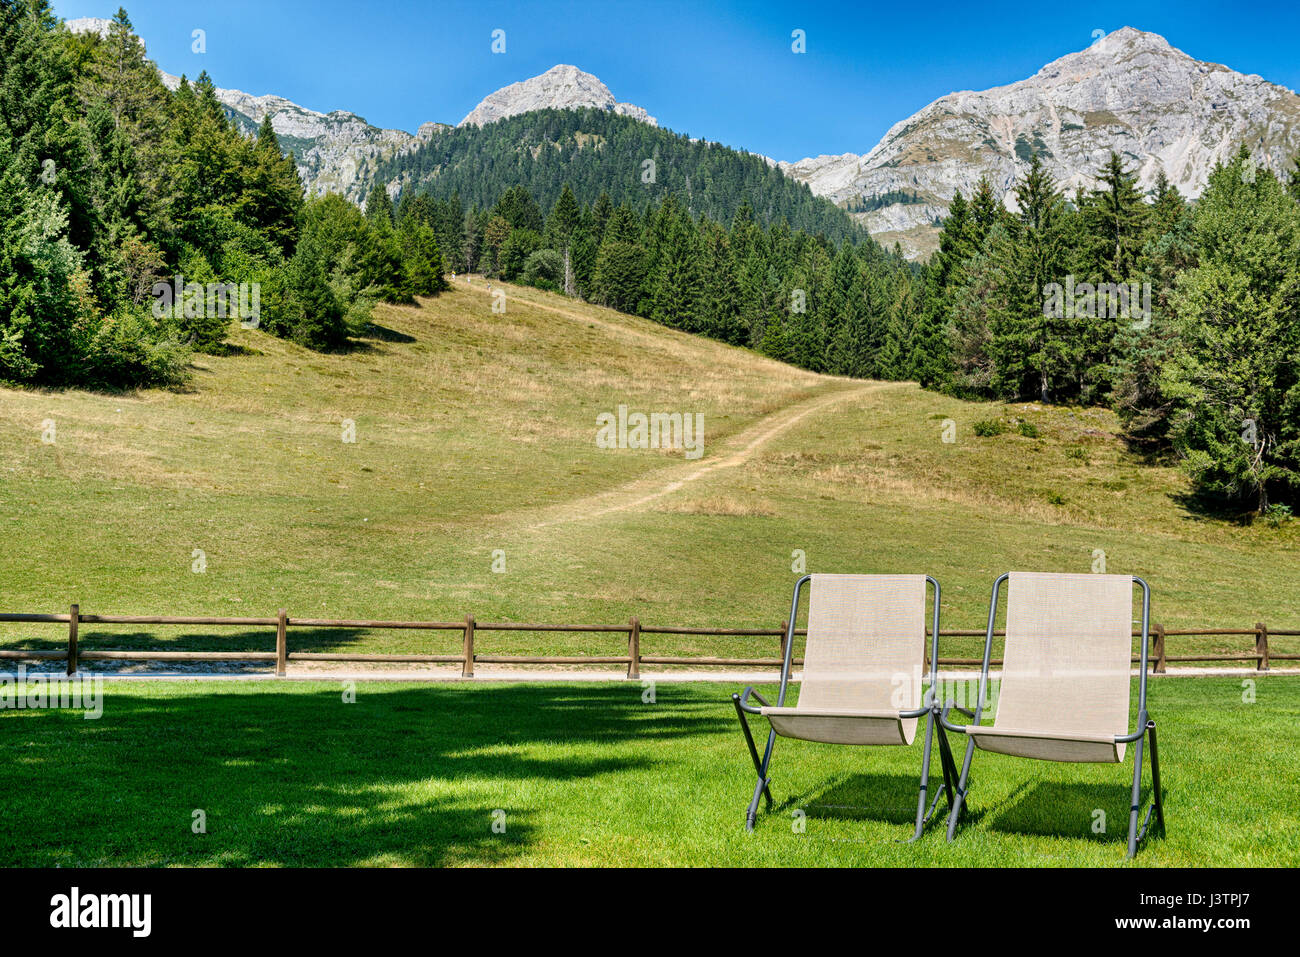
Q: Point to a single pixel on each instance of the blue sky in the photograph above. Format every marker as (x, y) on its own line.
(721, 70)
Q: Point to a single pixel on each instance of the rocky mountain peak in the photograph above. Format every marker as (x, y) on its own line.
(562, 87)
(96, 25)
(1129, 91)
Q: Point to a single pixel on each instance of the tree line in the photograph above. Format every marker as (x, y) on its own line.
(1184, 317)
(594, 151)
(793, 296)
(115, 190)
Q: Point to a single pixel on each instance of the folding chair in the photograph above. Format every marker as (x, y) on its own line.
(863, 663)
(1065, 681)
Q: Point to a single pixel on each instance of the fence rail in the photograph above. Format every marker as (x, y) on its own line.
(469, 628)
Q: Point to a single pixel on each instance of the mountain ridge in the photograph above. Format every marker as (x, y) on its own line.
(563, 86)
(1130, 91)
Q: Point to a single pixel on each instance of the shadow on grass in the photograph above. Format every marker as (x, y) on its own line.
(869, 797)
(1206, 508)
(403, 775)
(384, 334)
(1051, 809)
(228, 639)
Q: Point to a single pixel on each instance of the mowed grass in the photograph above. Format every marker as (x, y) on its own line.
(475, 438)
(592, 774)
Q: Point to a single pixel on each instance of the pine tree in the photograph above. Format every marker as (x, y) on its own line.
(379, 207)
(601, 210)
(676, 281)
(620, 273)
(1167, 207)
(894, 362)
(421, 258)
(1115, 224)
(721, 292)
(42, 199)
(931, 363)
(1232, 375)
(518, 208)
(986, 211)
(562, 228)
(1033, 354)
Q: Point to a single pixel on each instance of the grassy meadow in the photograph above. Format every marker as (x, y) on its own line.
(475, 438)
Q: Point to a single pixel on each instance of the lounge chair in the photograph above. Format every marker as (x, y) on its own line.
(1065, 689)
(863, 665)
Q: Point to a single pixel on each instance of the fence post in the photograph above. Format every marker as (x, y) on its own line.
(634, 648)
(467, 666)
(785, 631)
(281, 643)
(1160, 648)
(73, 614)
(1261, 646)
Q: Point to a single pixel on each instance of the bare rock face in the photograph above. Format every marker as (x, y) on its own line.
(562, 87)
(335, 152)
(1130, 91)
(96, 25)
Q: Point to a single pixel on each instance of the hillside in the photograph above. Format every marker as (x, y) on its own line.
(476, 431)
(597, 150)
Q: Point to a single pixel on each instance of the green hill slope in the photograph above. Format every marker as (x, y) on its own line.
(595, 151)
(476, 437)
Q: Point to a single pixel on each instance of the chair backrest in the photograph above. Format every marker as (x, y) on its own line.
(1068, 653)
(866, 637)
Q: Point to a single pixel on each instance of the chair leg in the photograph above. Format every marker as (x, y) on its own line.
(949, 766)
(921, 816)
(1156, 797)
(753, 751)
(1157, 802)
(1137, 794)
(761, 787)
(962, 784)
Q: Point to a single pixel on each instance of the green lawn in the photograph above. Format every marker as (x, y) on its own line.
(589, 774)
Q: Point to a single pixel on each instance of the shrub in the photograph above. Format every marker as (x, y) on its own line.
(987, 428)
(126, 351)
(1277, 514)
(545, 269)
(519, 245)
(1029, 430)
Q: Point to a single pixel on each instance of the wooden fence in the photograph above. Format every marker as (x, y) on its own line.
(469, 628)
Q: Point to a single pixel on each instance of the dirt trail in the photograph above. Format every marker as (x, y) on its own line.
(662, 482)
(625, 330)
(640, 492)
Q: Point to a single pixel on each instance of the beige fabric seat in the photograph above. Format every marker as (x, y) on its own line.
(842, 727)
(1065, 678)
(1065, 682)
(863, 661)
(1061, 746)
